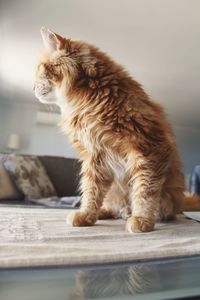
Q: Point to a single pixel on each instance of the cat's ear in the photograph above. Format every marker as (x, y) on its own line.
(51, 40)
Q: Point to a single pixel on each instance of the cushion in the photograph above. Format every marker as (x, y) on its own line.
(29, 175)
(64, 173)
(7, 189)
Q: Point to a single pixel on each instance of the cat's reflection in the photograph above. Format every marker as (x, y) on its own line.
(109, 282)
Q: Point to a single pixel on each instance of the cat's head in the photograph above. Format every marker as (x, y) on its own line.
(59, 66)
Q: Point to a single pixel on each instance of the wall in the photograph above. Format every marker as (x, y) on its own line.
(156, 40)
(17, 118)
(49, 140)
(20, 118)
(188, 141)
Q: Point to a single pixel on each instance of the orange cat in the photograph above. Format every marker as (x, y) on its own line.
(130, 164)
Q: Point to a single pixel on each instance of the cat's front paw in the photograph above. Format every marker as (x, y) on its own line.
(79, 218)
(139, 224)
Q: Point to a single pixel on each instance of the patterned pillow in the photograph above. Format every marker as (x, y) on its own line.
(30, 176)
(7, 189)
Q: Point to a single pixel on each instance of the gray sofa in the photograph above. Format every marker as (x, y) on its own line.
(61, 173)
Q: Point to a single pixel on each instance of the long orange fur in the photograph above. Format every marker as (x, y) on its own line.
(130, 163)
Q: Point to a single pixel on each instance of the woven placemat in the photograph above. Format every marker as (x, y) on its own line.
(41, 237)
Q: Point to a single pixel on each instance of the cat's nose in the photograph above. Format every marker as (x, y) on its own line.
(40, 86)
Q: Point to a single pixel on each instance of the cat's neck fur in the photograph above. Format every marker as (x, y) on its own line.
(64, 108)
(61, 101)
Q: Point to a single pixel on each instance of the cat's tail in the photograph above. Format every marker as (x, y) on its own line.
(191, 202)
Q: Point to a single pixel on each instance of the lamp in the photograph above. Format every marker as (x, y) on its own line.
(13, 142)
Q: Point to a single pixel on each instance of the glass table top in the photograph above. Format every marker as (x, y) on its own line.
(164, 279)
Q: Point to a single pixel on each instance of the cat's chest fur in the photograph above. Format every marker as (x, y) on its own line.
(87, 136)
(80, 130)
(83, 134)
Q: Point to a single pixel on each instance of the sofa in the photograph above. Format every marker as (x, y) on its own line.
(29, 178)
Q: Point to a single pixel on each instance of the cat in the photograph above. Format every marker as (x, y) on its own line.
(130, 163)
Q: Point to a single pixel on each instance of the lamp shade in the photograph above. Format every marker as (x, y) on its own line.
(13, 141)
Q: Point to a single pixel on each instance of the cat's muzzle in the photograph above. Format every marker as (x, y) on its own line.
(42, 89)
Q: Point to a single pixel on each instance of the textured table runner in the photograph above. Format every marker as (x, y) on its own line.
(41, 237)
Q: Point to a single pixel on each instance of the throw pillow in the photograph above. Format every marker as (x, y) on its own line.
(30, 176)
(7, 189)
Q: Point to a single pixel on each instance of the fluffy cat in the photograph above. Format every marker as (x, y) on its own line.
(130, 163)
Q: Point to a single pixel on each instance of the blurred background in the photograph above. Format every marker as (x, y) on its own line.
(157, 41)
